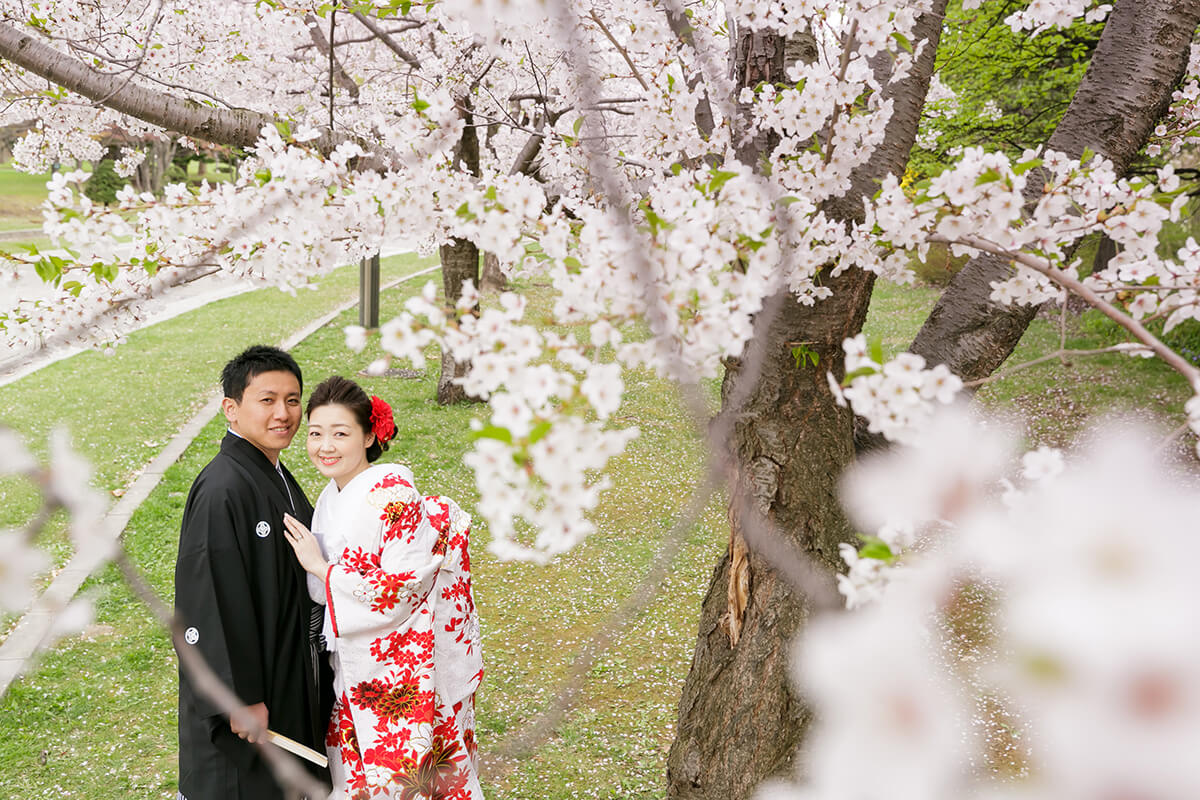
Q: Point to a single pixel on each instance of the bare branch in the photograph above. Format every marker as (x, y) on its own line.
(1063, 354)
(285, 767)
(387, 39)
(620, 48)
(337, 71)
(141, 58)
(362, 39)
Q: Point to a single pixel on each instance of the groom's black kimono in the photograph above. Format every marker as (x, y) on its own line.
(241, 597)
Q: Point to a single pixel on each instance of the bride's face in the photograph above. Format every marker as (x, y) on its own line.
(337, 444)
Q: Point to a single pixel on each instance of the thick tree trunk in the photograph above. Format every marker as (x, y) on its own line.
(739, 721)
(460, 263)
(153, 169)
(492, 278)
(1141, 56)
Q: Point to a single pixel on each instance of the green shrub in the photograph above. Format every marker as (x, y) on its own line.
(103, 185)
(1184, 338)
(176, 174)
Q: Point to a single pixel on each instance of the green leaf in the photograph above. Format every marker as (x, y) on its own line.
(719, 178)
(903, 41)
(803, 354)
(538, 431)
(240, 57)
(577, 126)
(1025, 166)
(990, 175)
(46, 270)
(877, 549)
(858, 373)
(875, 349)
(493, 432)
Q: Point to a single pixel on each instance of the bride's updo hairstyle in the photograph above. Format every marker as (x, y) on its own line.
(373, 415)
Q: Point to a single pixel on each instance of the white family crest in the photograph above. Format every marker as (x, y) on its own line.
(263, 529)
(191, 636)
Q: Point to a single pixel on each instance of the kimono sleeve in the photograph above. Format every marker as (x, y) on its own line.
(212, 595)
(372, 591)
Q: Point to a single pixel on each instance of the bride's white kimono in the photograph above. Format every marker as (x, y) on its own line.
(401, 622)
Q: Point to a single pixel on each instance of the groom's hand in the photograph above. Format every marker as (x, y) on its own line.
(250, 722)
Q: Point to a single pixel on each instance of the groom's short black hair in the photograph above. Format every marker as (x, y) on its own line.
(254, 361)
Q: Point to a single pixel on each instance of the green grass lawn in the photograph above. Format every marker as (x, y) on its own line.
(121, 409)
(96, 719)
(21, 194)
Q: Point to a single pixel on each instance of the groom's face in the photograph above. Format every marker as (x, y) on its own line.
(268, 414)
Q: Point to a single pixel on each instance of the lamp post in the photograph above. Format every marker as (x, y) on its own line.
(368, 292)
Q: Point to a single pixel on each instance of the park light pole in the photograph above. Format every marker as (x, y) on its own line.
(368, 292)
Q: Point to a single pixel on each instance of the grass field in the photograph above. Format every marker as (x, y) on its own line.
(20, 196)
(96, 719)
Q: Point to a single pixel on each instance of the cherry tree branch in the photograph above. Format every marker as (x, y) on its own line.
(236, 127)
(387, 40)
(336, 69)
(843, 65)
(141, 58)
(1077, 287)
(285, 767)
(681, 26)
(620, 48)
(1062, 354)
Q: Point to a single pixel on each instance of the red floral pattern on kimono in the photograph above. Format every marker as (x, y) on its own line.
(406, 655)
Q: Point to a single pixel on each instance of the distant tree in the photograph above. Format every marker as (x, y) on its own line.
(998, 89)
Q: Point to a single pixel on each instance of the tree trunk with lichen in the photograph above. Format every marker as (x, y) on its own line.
(739, 718)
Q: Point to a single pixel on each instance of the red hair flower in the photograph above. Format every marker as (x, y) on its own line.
(382, 424)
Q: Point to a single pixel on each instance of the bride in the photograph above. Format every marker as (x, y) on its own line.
(392, 568)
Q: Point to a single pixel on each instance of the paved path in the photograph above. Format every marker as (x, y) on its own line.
(171, 303)
(26, 638)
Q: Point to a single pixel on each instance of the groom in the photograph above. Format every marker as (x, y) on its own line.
(240, 594)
